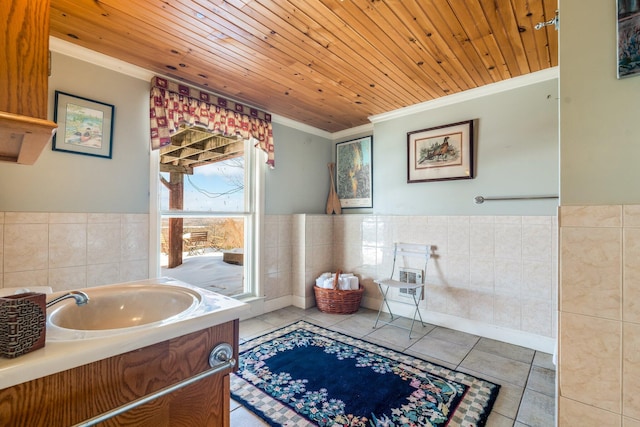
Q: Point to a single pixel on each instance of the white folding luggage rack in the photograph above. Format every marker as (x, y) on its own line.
(401, 252)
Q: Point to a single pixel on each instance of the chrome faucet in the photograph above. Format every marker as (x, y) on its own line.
(80, 297)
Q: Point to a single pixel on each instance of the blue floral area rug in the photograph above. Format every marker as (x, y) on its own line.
(306, 375)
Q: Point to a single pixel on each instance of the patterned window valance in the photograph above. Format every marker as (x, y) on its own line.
(173, 104)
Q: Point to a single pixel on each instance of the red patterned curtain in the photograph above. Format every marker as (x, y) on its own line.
(173, 104)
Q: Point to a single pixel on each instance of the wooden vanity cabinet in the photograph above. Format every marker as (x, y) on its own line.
(73, 396)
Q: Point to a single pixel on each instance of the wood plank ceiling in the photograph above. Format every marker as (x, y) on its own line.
(327, 63)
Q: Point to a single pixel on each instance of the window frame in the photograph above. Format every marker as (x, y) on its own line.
(253, 218)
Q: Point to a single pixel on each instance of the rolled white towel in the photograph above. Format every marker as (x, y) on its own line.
(323, 277)
(354, 283)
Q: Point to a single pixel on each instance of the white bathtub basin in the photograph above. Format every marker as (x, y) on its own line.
(137, 326)
(124, 306)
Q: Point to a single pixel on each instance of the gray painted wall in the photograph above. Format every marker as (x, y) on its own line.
(599, 141)
(300, 181)
(516, 150)
(63, 182)
(516, 135)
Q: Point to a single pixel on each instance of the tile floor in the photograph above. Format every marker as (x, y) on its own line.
(527, 377)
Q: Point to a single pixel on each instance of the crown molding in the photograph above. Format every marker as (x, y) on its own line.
(300, 126)
(353, 132)
(467, 95)
(84, 54)
(78, 52)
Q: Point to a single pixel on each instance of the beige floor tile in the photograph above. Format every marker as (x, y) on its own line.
(544, 360)
(282, 317)
(447, 351)
(542, 380)
(242, 417)
(536, 409)
(498, 420)
(500, 367)
(453, 336)
(253, 327)
(510, 351)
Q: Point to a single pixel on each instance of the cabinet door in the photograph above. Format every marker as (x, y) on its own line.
(81, 393)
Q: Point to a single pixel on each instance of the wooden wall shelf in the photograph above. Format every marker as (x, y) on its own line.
(23, 138)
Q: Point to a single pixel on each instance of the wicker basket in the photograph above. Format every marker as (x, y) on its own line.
(337, 301)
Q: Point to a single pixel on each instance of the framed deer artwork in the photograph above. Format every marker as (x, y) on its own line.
(440, 153)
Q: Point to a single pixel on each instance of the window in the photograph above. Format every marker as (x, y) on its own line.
(207, 202)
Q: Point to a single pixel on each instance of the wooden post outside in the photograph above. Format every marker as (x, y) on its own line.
(176, 230)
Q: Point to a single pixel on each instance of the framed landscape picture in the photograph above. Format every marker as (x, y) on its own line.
(354, 173)
(440, 153)
(84, 126)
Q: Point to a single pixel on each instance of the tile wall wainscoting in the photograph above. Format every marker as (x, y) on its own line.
(491, 275)
(495, 276)
(599, 331)
(498, 272)
(72, 250)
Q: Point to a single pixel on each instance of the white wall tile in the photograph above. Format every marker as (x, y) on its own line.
(458, 235)
(482, 243)
(537, 316)
(270, 231)
(507, 311)
(67, 218)
(103, 274)
(536, 280)
(134, 240)
(481, 274)
(134, 270)
(536, 242)
(26, 246)
(67, 245)
(103, 242)
(508, 276)
(67, 278)
(508, 241)
(26, 278)
(71, 250)
(458, 271)
(26, 218)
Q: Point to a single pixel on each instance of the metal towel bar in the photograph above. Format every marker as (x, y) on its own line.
(481, 199)
(221, 353)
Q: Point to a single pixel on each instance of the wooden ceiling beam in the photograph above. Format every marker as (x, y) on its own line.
(185, 170)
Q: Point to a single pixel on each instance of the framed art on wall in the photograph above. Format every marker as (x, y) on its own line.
(354, 173)
(440, 153)
(628, 38)
(84, 126)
